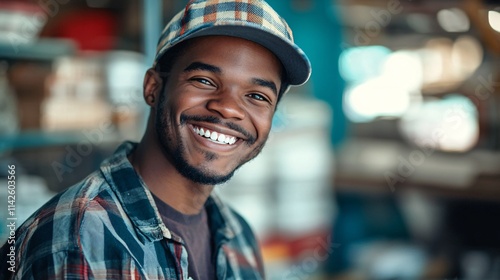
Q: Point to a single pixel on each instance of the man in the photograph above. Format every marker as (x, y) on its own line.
(149, 212)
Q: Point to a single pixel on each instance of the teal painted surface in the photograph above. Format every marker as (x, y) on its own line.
(317, 31)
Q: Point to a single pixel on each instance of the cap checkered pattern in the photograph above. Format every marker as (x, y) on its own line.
(253, 20)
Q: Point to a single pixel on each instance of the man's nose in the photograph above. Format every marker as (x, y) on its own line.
(227, 104)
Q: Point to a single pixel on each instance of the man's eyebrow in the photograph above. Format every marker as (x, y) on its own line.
(266, 83)
(202, 66)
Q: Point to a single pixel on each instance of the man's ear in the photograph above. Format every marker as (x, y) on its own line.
(152, 86)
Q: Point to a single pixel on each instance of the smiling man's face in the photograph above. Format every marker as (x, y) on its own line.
(216, 109)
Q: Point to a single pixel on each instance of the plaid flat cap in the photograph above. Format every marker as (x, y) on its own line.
(252, 20)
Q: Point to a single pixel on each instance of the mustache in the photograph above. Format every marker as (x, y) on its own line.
(215, 120)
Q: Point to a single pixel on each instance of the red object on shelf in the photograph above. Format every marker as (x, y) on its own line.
(91, 29)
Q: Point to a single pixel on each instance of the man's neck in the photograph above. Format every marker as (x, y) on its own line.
(163, 179)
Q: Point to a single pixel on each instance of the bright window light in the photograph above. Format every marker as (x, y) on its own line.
(404, 69)
(448, 124)
(359, 64)
(380, 97)
(494, 20)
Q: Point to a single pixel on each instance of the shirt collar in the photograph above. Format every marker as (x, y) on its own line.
(139, 205)
(224, 224)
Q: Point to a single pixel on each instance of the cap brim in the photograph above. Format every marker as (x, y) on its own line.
(296, 64)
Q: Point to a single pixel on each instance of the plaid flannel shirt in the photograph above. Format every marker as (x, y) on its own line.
(108, 227)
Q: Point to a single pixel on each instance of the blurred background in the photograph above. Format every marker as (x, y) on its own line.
(385, 165)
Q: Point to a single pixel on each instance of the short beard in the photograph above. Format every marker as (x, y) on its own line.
(177, 154)
(196, 174)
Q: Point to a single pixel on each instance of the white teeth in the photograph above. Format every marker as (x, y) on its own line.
(214, 136)
(221, 138)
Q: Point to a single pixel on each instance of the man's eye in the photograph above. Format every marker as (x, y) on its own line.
(257, 96)
(203, 81)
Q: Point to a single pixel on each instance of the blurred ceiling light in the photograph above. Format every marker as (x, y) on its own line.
(434, 59)
(450, 124)
(494, 20)
(359, 64)
(448, 63)
(437, 64)
(453, 20)
(466, 56)
(379, 97)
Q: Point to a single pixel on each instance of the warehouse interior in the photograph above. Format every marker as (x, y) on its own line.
(385, 165)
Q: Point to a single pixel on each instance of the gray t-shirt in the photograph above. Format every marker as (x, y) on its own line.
(195, 232)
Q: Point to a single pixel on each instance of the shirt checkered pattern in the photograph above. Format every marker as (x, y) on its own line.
(108, 227)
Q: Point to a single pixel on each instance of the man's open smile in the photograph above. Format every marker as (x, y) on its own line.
(214, 136)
